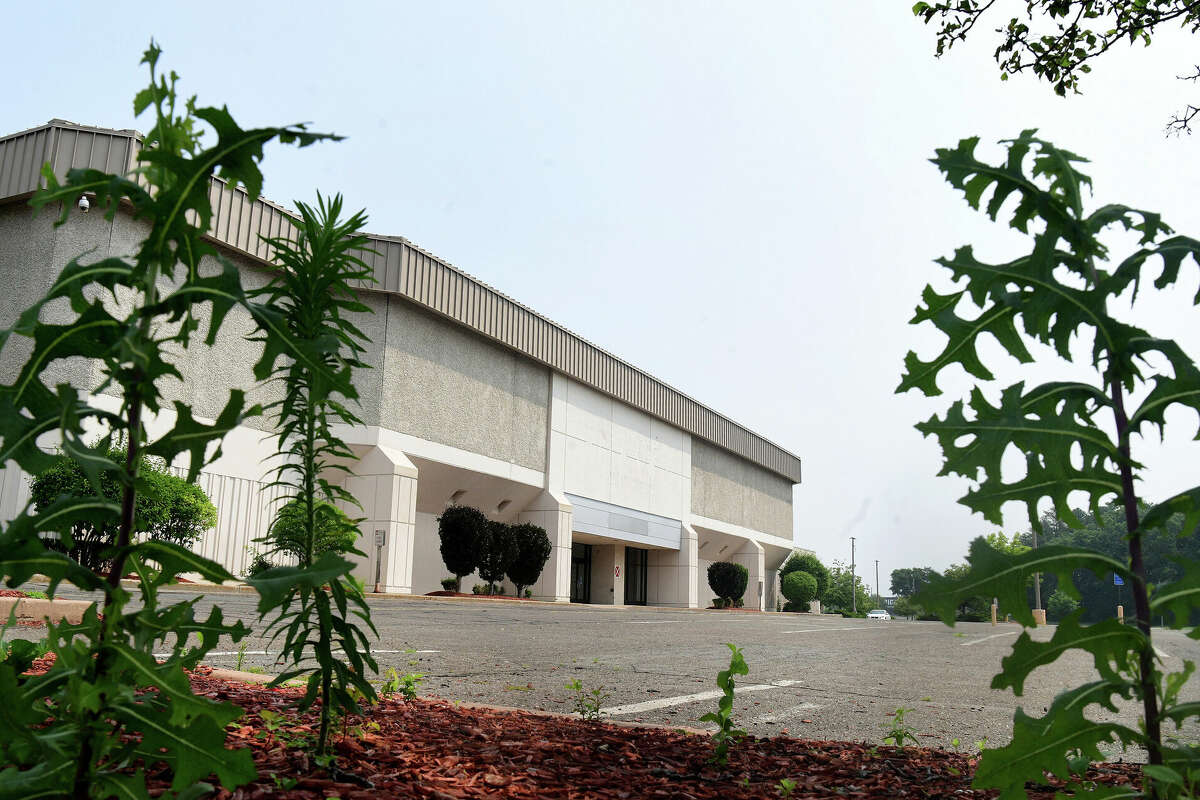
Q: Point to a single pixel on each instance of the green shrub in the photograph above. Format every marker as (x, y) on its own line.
(335, 532)
(460, 528)
(807, 562)
(1061, 605)
(533, 551)
(479, 588)
(450, 584)
(728, 580)
(259, 563)
(800, 588)
(167, 508)
(497, 551)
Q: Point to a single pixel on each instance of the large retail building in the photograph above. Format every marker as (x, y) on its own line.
(473, 399)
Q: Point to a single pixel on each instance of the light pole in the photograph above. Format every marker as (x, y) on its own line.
(853, 599)
(878, 597)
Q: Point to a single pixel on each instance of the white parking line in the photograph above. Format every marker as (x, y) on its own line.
(1160, 653)
(684, 699)
(647, 622)
(822, 630)
(784, 714)
(985, 638)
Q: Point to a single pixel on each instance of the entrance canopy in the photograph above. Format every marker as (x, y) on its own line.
(625, 524)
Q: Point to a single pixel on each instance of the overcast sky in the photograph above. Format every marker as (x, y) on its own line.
(732, 196)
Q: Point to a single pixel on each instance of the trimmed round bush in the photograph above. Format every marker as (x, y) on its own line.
(800, 588)
(728, 580)
(533, 551)
(497, 551)
(333, 531)
(460, 528)
(807, 562)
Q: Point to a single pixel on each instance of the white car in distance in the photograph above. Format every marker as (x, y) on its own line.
(879, 614)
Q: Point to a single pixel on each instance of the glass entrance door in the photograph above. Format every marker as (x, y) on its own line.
(635, 576)
(581, 573)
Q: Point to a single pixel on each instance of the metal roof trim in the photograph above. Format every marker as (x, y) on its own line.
(407, 270)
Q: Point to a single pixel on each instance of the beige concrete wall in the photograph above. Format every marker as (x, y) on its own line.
(443, 383)
(34, 249)
(731, 489)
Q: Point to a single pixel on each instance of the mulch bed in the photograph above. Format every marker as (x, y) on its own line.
(434, 749)
(13, 593)
(445, 593)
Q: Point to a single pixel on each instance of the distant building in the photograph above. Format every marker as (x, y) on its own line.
(474, 398)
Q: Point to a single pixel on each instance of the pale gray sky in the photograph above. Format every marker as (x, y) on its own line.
(732, 196)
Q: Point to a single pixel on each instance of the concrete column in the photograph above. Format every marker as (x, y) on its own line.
(674, 578)
(752, 556)
(554, 514)
(608, 574)
(385, 482)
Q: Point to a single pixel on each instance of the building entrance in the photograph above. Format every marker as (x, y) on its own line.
(635, 575)
(581, 573)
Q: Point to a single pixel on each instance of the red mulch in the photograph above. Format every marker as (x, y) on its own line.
(13, 593)
(751, 610)
(444, 593)
(433, 749)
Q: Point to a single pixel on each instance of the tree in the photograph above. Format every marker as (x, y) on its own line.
(460, 529)
(533, 551)
(807, 562)
(905, 607)
(837, 595)
(1071, 34)
(975, 608)
(497, 551)
(909, 580)
(800, 588)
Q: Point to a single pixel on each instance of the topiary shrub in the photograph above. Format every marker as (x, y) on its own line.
(450, 584)
(335, 532)
(728, 580)
(800, 588)
(497, 551)
(167, 507)
(807, 562)
(533, 551)
(460, 528)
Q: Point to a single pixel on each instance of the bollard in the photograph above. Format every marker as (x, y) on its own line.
(993, 613)
(1121, 614)
(1039, 616)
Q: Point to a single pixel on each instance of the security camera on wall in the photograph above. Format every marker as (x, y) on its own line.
(84, 204)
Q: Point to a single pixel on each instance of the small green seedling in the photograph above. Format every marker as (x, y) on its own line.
(785, 787)
(726, 733)
(899, 732)
(587, 704)
(404, 685)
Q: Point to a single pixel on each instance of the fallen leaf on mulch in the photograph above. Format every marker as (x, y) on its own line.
(434, 749)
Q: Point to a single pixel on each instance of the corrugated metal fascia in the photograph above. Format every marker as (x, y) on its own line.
(422, 277)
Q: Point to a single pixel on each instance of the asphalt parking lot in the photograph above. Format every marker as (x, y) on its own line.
(816, 677)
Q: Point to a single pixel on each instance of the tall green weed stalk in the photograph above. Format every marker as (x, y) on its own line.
(1073, 437)
(317, 602)
(110, 710)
